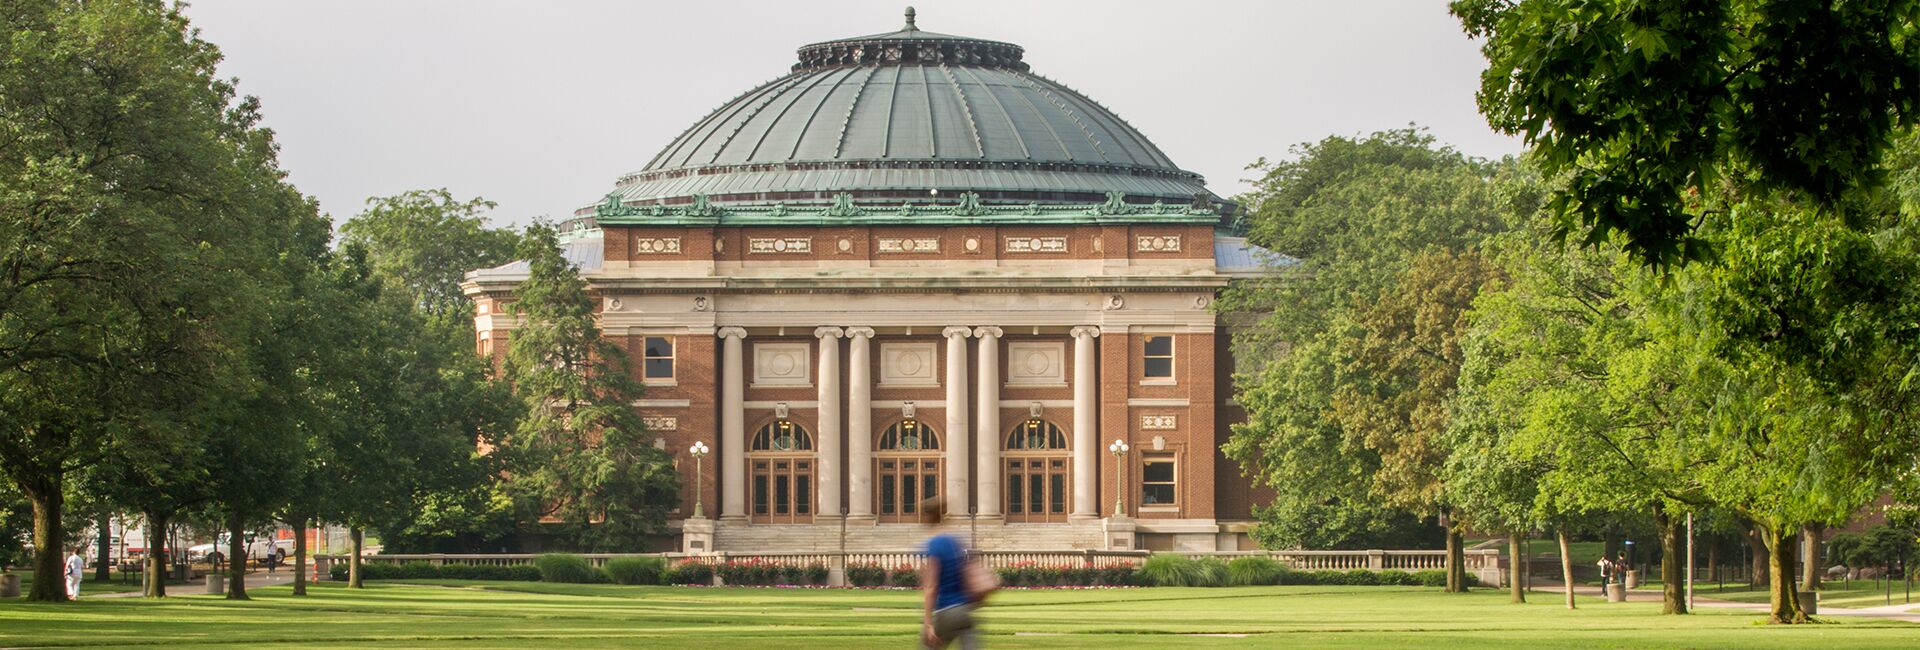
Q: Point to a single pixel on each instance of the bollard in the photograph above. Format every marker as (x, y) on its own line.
(216, 584)
(1810, 602)
(1616, 593)
(9, 586)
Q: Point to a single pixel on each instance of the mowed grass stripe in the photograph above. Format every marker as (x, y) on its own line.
(583, 617)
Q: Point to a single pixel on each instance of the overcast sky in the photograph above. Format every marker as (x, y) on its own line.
(539, 106)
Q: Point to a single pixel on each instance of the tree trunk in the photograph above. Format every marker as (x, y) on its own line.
(1610, 545)
(1456, 562)
(1713, 557)
(1518, 589)
(103, 562)
(1810, 564)
(353, 562)
(49, 570)
(1566, 565)
(1757, 559)
(300, 556)
(1673, 563)
(236, 559)
(1783, 601)
(156, 564)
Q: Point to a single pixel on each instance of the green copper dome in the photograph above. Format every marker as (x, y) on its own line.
(908, 116)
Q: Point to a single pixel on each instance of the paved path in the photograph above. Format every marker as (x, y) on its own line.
(254, 580)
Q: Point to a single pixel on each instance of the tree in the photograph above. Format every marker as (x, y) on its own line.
(580, 454)
(427, 241)
(1355, 213)
(1640, 105)
(130, 175)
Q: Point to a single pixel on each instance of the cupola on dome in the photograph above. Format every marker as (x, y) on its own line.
(903, 116)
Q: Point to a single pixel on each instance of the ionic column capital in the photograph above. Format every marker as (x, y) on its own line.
(1087, 331)
(859, 332)
(957, 332)
(828, 332)
(732, 332)
(984, 332)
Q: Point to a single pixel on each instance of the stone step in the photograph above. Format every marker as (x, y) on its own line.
(825, 537)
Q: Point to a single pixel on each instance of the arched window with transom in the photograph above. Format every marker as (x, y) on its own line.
(907, 466)
(782, 435)
(1036, 472)
(909, 435)
(1036, 434)
(781, 459)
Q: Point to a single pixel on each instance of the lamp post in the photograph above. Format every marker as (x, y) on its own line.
(698, 451)
(1119, 450)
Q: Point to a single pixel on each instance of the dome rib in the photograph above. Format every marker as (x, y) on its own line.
(1004, 115)
(775, 121)
(965, 110)
(794, 151)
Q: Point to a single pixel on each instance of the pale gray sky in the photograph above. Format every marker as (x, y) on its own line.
(540, 106)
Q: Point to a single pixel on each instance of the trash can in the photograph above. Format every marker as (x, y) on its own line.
(1616, 593)
(322, 568)
(1633, 578)
(1810, 602)
(9, 586)
(216, 583)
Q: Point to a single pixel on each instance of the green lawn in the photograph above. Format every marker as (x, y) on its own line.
(89, 585)
(521, 616)
(1856, 593)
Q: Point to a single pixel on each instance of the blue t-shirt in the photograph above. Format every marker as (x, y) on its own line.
(952, 558)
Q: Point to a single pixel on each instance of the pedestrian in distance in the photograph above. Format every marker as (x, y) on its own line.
(954, 585)
(76, 565)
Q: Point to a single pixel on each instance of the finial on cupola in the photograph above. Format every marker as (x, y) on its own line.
(910, 26)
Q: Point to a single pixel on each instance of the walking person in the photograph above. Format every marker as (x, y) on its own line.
(954, 585)
(76, 565)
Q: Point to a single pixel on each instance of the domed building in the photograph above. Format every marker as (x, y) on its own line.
(911, 268)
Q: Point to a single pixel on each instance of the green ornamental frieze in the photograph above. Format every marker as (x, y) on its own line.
(966, 209)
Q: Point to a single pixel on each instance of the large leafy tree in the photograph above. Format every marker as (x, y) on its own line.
(1356, 213)
(580, 454)
(427, 241)
(1639, 104)
(133, 185)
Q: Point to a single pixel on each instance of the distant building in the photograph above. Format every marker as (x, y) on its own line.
(912, 268)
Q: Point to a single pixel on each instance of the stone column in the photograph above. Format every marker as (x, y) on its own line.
(987, 424)
(733, 427)
(1086, 428)
(827, 478)
(860, 423)
(956, 483)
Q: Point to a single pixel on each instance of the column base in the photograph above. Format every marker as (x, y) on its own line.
(826, 519)
(733, 519)
(990, 520)
(1083, 519)
(862, 520)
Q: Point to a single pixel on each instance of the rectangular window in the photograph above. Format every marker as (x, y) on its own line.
(1158, 357)
(760, 494)
(1157, 480)
(658, 358)
(886, 494)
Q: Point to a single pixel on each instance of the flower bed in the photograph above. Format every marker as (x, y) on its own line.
(762, 573)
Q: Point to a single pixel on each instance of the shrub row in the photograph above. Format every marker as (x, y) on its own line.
(758, 573)
(1166, 570)
(421, 570)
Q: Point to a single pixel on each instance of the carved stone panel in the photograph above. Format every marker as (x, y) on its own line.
(908, 364)
(657, 246)
(1036, 244)
(1157, 243)
(1159, 422)
(774, 245)
(1034, 363)
(781, 364)
(909, 244)
(661, 422)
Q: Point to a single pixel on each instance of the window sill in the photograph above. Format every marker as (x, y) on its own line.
(1161, 508)
(659, 382)
(1051, 384)
(756, 386)
(1159, 382)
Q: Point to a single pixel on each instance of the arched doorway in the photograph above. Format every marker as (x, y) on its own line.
(907, 467)
(1036, 463)
(781, 458)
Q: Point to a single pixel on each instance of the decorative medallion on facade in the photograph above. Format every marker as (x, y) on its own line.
(612, 207)
(843, 206)
(1036, 244)
(1116, 205)
(909, 244)
(701, 207)
(969, 205)
(661, 422)
(1159, 422)
(780, 245)
(1157, 244)
(1031, 363)
(781, 364)
(657, 246)
(907, 364)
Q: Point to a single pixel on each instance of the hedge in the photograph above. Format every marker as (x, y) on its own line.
(567, 567)
(757, 572)
(636, 570)
(418, 570)
(688, 573)
(1169, 570)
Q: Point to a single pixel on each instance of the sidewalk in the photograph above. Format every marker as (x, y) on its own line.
(254, 580)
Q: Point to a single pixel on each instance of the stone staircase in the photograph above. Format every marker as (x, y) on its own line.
(824, 537)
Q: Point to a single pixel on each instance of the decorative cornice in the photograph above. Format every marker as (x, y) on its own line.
(967, 209)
